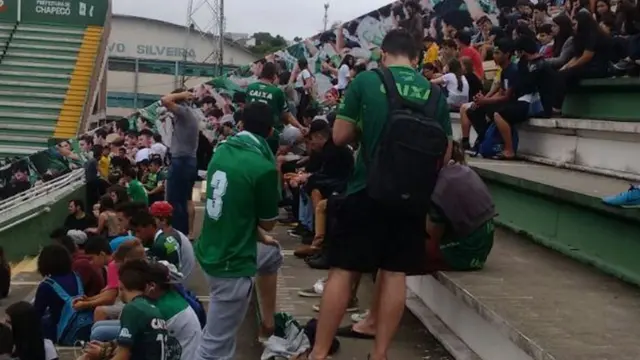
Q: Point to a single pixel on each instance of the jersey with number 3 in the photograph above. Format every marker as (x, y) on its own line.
(242, 189)
(144, 332)
(271, 95)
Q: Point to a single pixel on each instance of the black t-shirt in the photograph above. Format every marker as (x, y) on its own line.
(596, 41)
(73, 223)
(510, 80)
(475, 85)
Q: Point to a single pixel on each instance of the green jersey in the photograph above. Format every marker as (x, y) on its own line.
(463, 253)
(144, 332)
(243, 189)
(271, 95)
(152, 180)
(136, 192)
(365, 104)
(166, 246)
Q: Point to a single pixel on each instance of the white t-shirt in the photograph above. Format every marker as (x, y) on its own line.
(50, 351)
(343, 76)
(304, 75)
(456, 97)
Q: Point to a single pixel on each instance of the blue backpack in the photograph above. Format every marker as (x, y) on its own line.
(73, 325)
(493, 144)
(195, 304)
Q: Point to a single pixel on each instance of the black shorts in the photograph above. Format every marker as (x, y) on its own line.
(514, 112)
(367, 236)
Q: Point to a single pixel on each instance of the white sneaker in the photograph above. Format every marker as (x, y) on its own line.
(315, 291)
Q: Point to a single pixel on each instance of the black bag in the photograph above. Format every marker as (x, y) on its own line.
(404, 168)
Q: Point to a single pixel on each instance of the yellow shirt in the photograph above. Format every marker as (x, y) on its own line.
(103, 166)
(431, 55)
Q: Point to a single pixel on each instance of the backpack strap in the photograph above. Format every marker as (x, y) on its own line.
(397, 102)
(62, 294)
(433, 101)
(79, 285)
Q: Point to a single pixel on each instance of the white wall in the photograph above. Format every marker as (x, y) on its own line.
(147, 39)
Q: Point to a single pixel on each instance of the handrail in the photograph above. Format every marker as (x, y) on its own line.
(6, 46)
(96, 75)
(39, 190)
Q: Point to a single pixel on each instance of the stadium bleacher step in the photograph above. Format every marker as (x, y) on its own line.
(21, 140)
(562, 300)
(22, 129)
(41, 48)
(29, 105)
(39, 68)
(53, 58)
(31, 28)
(37, 65)
(69, 41)
(532, 303)
(18, 150)
(49, 79)
(17, 85)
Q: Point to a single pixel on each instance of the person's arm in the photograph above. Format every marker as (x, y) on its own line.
(345, 128)
(434, 230)
(41, 300)
(131, 331)
(565, 54)
(171, 101)
(267, 195)
(104, 298)
(439, 81)
(102, 221)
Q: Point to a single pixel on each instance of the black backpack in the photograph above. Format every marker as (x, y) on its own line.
(404, 168)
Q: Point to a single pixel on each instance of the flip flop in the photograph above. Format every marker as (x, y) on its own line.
(348, 332)
(501, 156)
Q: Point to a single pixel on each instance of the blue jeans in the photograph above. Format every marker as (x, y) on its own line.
(305, 211)
(105, 330)
(183, 172)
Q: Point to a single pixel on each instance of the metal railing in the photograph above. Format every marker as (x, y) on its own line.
(43, 189)
(9, 39)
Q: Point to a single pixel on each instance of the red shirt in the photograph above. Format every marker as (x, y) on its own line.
(476, 60)
(90, 276)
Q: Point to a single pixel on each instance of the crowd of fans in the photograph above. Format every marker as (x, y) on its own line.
(117, 270)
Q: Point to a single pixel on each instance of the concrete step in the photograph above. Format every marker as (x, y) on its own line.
(22, 139)
(53, 58)
(37, 65)
(8, 84)
(563, 210)
(30, 105)
(44, 29)
(532, 303)
(15, 150)
(47, 38)
(49, 49)
(577, 144)
(32, 96)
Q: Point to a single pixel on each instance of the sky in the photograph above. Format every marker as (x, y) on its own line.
(289, 18)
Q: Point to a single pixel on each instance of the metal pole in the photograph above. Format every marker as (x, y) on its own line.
(183, 78)
(221, 39)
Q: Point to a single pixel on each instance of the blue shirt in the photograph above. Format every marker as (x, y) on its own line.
(115, 242)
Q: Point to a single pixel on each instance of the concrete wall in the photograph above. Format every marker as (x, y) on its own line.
(151, 39)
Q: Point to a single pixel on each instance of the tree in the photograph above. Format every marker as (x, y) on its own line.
(267, 43)
(297, 39)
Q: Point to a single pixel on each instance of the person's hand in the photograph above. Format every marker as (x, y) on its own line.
(79, 304)
(304, 130)
(302, 178)
(269, 240)
(293, 183)
(93, 349)
(91, 230)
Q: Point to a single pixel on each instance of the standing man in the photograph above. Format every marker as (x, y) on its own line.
(183, 170)
(265, 91)
(242, 204)
(369, 234)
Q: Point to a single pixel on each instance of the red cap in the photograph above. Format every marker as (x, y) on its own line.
(161, 209)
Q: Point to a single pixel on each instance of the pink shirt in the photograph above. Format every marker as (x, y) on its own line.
(112, 276)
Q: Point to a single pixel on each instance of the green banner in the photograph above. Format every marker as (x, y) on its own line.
(8, 10)
(64, 12)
